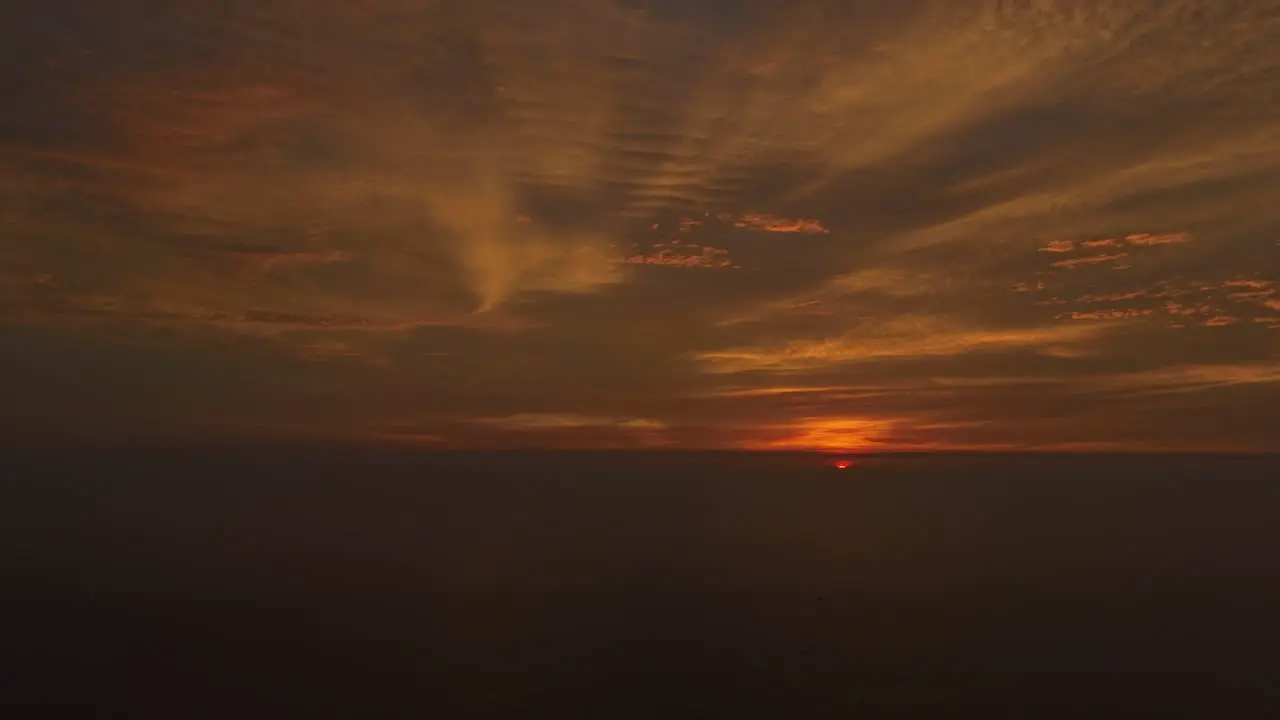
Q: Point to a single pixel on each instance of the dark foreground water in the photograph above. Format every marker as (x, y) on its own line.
(624, 585)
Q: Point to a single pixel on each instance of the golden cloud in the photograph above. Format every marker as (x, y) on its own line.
(1221, 321)
(827, 434)
(775, 224)
(1073, 263)
(542, 422)
(1114, 314)
(758, 392)
(1149, 240)
(900, 338)
(1113, 297)
(263, 262)
(1193, 378)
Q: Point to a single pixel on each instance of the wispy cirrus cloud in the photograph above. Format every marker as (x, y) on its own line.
(563, 421)
(901, 338)
(1147, 240)
(1195, 378)
(1073, 263)
(262, 261)
(1113, 314)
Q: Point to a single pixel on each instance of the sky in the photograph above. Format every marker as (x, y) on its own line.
(841, 225)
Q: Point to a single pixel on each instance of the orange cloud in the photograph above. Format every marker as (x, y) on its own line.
(1143, 239)
(1059, 246)
(1107, 314)
(1174, 308)
(412, 438)
(1075, 262)
(534, 422)
(889, 282)
(1203, 312)
(328, 349)
(829, 435)
(1112, 297)
(677, 254)
(264, 323)
(501, 261)
(773, 223)
(1193, 378)
(265, 261)
(757, 392)
(1252, 291)
(1168, 239)
(1251, 284)
(904, 337)
(1221, 321)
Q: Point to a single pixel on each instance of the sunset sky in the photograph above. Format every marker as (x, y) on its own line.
(845, 225)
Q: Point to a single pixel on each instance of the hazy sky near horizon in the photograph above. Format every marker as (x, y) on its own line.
(801, 224)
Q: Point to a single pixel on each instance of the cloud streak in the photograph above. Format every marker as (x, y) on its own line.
(683, 255)
(774, 224)
(903, 338)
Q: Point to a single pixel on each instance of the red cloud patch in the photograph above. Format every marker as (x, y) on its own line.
(774, 223)
(674, 253)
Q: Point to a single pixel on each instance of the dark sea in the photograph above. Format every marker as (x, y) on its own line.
(327, 582)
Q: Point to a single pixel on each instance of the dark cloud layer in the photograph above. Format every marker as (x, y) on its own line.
(832, 225)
